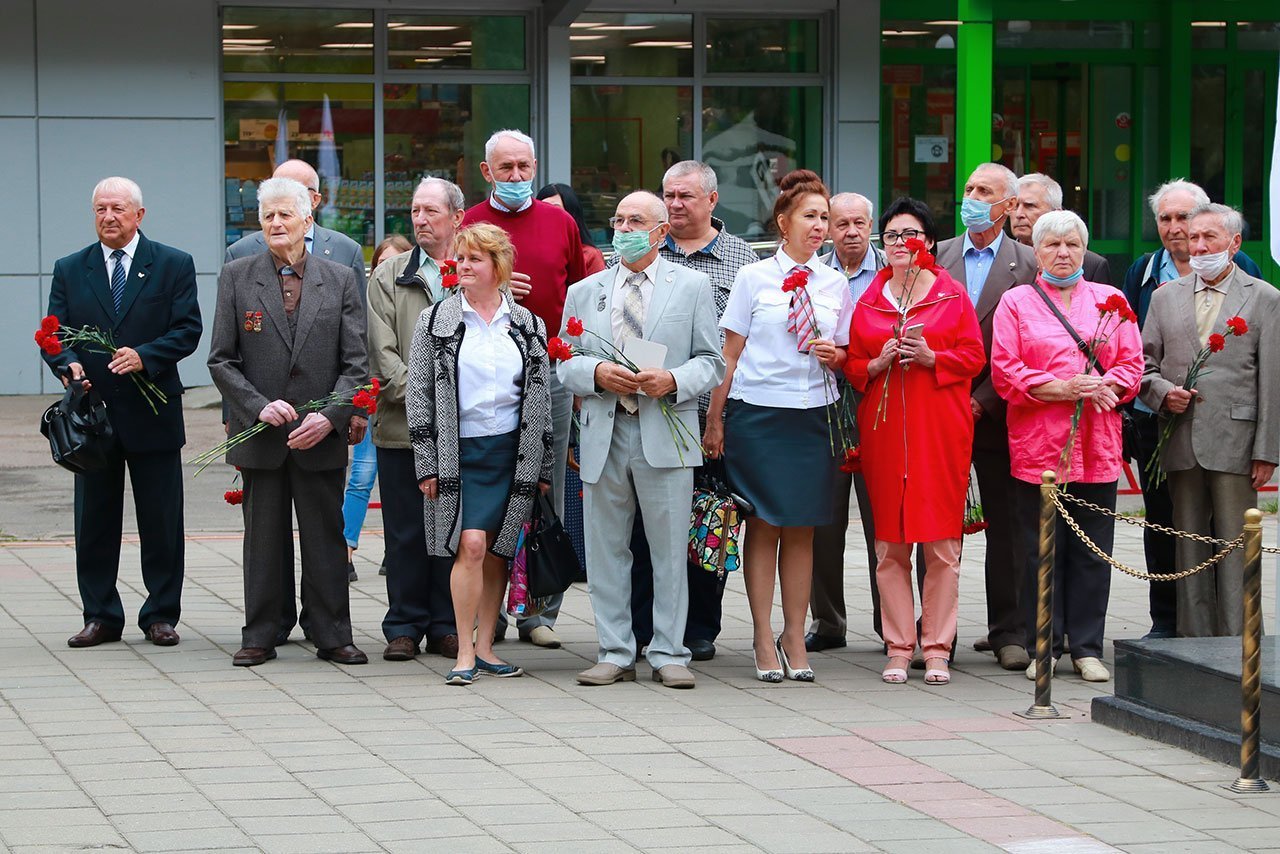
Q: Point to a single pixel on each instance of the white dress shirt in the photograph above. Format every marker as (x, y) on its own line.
(127, 260)
(490, 369)
(620, 295)
(771, 370)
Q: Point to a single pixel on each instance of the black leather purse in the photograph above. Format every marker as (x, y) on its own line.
(79, 433)
(550, 560)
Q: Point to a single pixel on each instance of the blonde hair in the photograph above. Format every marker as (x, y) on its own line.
(483, 237)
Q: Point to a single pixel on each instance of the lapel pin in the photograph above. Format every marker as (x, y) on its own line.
(326, 251)
(600, 303)
(141, 275)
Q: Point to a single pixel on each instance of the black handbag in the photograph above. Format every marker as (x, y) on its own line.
(550, 560)
(80, 435)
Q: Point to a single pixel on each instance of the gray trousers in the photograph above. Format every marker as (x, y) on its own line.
(1212, 503)
(826, 601)
(665, 498)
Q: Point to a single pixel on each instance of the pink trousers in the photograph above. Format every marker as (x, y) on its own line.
(897, 599)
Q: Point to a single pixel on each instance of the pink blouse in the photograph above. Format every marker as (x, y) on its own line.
(1030, 347)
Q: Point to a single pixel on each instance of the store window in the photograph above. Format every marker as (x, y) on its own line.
(1258, 35)
(632, 45)
(1208, 131)
(297, 41)
(429, 42)
(939, 35)
(1063, 35)
(918, 138)
(762, 47)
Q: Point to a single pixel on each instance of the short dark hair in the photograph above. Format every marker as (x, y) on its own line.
(572, 206)
(911, 207)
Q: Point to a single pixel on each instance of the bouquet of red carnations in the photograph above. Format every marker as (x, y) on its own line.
(52, 337)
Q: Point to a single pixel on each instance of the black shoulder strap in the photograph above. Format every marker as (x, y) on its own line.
(1066, 324)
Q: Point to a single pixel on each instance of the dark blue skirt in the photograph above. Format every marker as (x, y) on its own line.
(487, 465)
(781, 460)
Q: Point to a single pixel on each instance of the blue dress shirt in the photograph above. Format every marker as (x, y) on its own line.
(978, 264)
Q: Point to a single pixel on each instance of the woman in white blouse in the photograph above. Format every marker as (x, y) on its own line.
(782, 343)
(480, 423)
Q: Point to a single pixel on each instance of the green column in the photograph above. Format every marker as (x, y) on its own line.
(1175, 96)
(974, 84)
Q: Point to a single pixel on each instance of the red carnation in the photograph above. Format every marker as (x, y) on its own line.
(925, 260)
(1216, 343)
(449, 265)
(41, 335)
(914, 245)
(377, 386)
(975, 527)
(233, 496)
(573, 327)
(795, 280)
(51, 345)
(50, 324)
(1237, 325)
(852, 460)
(364, 400)
(1127, 314)
(558, 350)
(449, 280)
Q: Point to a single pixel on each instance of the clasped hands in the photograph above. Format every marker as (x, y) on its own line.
(906, 350)
(308, 434)
(1095, 389)
(652, 382)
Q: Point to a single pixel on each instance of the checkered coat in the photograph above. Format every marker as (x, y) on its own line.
(432, 407)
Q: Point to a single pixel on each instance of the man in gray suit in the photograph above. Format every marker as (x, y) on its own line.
(988, 263)
(631, 455)
(289, 328)
(1037, 195)
(1225, 444)
(333, 246)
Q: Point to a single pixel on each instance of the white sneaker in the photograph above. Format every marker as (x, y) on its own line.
(1031, 668)
(1091, 669)
(544, 636)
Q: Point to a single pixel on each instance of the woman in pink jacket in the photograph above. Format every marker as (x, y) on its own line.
(1039, 369)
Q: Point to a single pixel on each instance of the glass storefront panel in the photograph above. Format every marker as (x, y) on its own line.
(1063, 35)
(1209, 35)
(1154, 147)
(426, 42)
(1110, 135)
(1208, 131)
(297, 41)
(918, 114)
(624, 138)
(752, 136)
(256, 139)
(632, 45)
(1256, 140)
(762, 46)
(1258, 35)
(1039, 125)
(927, 34)
(440, 130)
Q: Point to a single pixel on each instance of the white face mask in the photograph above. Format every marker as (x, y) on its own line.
(1210, 266)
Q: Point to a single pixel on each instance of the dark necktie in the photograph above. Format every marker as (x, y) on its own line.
(117, 278)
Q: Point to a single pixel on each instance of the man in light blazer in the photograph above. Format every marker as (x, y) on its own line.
(1227, 438)
(988, 262)
(631, 455)
(289, 328)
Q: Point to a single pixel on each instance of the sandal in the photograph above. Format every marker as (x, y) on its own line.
(935, 674)
(896, 675)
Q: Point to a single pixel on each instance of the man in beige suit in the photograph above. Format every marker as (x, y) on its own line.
(1224, 446)
(988, 262)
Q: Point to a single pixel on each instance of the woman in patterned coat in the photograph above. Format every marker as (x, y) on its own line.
(479, 411)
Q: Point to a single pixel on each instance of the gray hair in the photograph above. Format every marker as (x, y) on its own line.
(116, 184)
(451, 191)
(688, 167)
(1052, 189)
(1177, 184)
(653, 202)
(274, 189)
(1059, 224)
(1010, 179)
(1230, 217)
(851, 199)
(518, 136)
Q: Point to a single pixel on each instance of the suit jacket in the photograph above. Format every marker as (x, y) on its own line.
(159, 317)
(251, 368)
(682, 316)
(328, 244)
(1014, 264)
(1236, 416)
(1096, 268)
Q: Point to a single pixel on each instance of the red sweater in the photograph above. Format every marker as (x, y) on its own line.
(548, 250)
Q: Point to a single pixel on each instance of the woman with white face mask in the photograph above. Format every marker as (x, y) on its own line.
(1038, 367)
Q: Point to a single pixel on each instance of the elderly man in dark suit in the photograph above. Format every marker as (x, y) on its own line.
(290, 328)
(1038, 194)
(988, 263)
(144, 295)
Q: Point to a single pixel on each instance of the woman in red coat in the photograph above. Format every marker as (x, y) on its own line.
(914, 347)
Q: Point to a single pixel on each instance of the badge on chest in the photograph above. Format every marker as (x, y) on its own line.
(253, 321)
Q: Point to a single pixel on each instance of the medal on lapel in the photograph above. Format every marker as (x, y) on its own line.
(253, 321)
(600, 303)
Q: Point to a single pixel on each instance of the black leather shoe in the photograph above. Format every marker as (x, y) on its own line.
(348, 654)
(351, 573)
(701, 649)
(814, 642)
(93, 634)
(252, 656)
(161, 634)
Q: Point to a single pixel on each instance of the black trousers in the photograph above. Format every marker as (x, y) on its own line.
(420, 604)
(1006, 620)
(270, 495)
(706, 594)
(1159, 548)
(99, 516)
(826, 601)
(1081, 579)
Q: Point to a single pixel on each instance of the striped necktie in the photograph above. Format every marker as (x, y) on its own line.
(632, 326)
(117, 278)
(800, 316)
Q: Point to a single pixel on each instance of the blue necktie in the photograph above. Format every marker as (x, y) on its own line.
(117, 278)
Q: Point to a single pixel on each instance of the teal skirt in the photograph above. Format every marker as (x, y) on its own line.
(780, 459)
(487, 466)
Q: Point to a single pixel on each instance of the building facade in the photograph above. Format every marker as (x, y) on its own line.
(196, 99)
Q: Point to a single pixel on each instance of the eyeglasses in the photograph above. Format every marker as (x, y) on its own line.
(634, 221)
(889, 238)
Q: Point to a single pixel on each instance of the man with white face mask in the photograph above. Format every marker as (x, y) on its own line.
(1224, 444)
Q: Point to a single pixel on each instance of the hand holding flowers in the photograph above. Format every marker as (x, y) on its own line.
(52, 337)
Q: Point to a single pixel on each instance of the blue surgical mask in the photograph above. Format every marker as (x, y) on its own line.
(1062, 281)
(513, 194)
(976, 214)
(631, 246)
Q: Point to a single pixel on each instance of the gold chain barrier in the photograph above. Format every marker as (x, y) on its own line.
(1052, 501)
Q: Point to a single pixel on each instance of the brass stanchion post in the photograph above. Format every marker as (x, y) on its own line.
(1251, 658)
(1043, 706)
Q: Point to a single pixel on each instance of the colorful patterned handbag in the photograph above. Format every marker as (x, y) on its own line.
(520, 602)
(715, 526)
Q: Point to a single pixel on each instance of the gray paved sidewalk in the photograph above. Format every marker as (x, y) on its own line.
(134, 747)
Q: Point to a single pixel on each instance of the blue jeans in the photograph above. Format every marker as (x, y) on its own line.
(355, 504)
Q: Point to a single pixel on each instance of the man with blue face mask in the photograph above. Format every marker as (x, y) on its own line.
(548, 260)
(988, 262)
